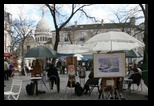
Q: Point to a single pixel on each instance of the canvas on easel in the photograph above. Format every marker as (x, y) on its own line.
(71, 69)
(109, 65)
(72, 61)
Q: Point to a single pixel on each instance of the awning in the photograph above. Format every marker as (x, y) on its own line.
(6, 54)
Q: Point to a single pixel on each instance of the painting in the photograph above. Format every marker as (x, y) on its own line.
(71, 69)
(109, 65)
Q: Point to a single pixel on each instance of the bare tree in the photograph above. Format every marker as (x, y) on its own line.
(145, 12)
(123, 16)
(56, 13)
(145, 59)
(22, 27)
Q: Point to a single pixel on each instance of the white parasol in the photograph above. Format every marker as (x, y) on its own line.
(112, 41)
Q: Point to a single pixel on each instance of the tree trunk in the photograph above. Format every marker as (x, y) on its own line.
(145, 59)
(22, 58)
(56, 45)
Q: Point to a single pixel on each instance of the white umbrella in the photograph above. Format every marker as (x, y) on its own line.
(71, 49)
(79, 56)
(112, 41)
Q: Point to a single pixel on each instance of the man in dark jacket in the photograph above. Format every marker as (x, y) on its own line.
(136, 76)
(53, 75)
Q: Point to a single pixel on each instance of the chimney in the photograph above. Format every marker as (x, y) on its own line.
(132, 20)
(102, 22)
(75, 23)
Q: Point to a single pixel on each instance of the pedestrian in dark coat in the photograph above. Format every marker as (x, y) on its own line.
(53, 75)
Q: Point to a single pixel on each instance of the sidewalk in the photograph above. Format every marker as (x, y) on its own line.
(69, 95)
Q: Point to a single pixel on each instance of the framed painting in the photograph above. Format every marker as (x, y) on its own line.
(109, 65)
(71, 69)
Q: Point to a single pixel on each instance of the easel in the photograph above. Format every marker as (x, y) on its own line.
(72, 81)
(36, 70)
(112, 86)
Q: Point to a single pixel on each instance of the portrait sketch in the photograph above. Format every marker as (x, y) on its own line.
(109, 65)
(71, 69)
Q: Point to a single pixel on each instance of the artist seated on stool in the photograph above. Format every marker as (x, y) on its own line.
(91, 80)
(53, 71)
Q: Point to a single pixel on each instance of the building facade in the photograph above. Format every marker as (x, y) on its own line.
(42, 35)
(7, 32)
(79, 34)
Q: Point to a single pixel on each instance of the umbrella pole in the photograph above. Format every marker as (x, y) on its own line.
(111, 45)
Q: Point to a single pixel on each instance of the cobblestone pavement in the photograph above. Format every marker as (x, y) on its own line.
(69, 94)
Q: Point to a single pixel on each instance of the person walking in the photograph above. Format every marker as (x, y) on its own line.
(6, 68)
(59, 65)
(11, 69)
(53, 76)
(63, 63)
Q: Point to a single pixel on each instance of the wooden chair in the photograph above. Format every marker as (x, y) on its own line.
(15, 89)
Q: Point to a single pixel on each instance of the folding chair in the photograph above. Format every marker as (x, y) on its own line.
(137, 81)
(15, 89)
(93, 84)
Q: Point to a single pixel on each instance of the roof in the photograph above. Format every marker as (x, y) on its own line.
(99, 26)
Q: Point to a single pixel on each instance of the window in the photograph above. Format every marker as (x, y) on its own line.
(45, 38)
(66, 37)
(28, 47)
(40, 38)
(10, 18)
(82, 36)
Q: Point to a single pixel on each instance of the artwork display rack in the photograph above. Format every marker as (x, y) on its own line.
(109, 84)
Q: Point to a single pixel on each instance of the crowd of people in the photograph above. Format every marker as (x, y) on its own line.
(61, 66)
(9, 69)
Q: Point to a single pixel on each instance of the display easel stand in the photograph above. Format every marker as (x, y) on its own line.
(113, 85)
(71, 85)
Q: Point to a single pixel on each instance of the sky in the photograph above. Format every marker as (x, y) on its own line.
(99, 11)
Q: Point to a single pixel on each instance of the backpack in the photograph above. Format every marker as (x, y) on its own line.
(78, 89)
(29, 88)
